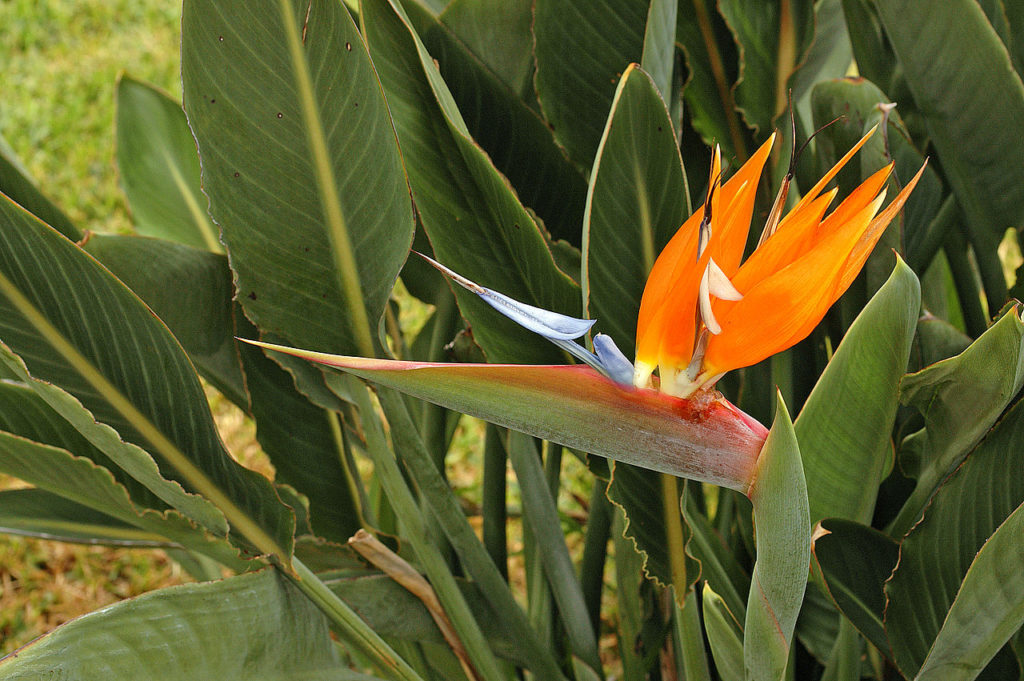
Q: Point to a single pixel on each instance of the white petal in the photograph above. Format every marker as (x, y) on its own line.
(719, 285)
(704, 300)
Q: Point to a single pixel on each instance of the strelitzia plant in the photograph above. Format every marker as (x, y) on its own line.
(542, 155)
(703, 313)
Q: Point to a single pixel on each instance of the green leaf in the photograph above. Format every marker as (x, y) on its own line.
(476, 224)
(978, 625)
(127, 384)
(960, 398)
(78, 481)
(712, 63)
(828, 56)
(575, 94)
(438, 495)
(725, 636)
(975, 126)
(856, 561)
(16, 184)
(577, 407)
(25, 414)
(303, 442)
(659, 52)
(393, 611)
(515, 137)
(772, 39)
(938, 340)
(844, 427)
(651, 504)
(44, 515)
(190, 290)
(871, 49)
(936, 564)
(540, 511)
(159, 167)
(255, 627)
(719, 567)
(779, 496)
(499, 33)
(294, 136)
(636, 202)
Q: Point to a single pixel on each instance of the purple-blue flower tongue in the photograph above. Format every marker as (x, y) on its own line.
(551, 325)
(558, 328)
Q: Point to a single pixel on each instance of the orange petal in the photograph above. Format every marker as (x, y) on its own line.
(674, 276)
(738, 197)
(816, 189)
(776, 310)
(730, 221)
(785, 246)
(874, 232)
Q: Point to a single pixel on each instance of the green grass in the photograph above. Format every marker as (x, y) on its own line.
(61, 60)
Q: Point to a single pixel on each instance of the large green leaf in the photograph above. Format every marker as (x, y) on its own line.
(254, 627)
(978, 625)
(66, 321)
(190, 290)
(514, 136)
(976, 126)
(637, 201)
(779, 495)
(576, 93)
(772, 37)
(159, 167)
(960, 398)
(39, 447)
(844, 427)
(42, 514)
(301, 164)
(577, 407)
(499, 33)
(940, 558)
(16, 184)
(712, 64)
(476, 224)
(855, 561)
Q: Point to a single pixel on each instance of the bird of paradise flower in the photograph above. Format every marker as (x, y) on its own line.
(703, 313)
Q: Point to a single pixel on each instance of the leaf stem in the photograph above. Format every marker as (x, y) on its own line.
(360, 634)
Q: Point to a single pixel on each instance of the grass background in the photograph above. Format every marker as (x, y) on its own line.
(60, 62)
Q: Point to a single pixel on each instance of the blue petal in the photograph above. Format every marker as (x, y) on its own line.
(615, 364)
(551, 325)
(558, 328)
